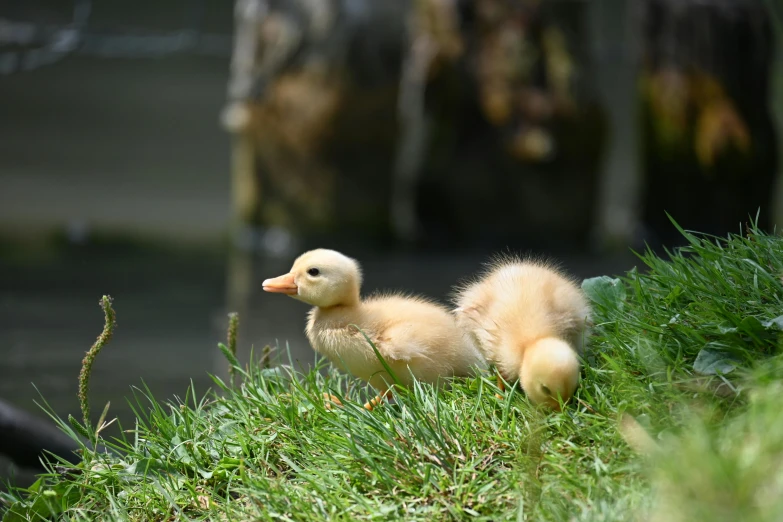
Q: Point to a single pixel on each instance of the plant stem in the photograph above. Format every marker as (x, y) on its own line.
(84, 374)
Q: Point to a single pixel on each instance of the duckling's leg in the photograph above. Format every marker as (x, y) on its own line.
(330, 399)
(500, 384)
(378, 398)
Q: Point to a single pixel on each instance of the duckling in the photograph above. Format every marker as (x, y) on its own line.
(529, 320)
(410, 332)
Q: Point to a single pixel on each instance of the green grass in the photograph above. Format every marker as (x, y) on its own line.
(269, 449)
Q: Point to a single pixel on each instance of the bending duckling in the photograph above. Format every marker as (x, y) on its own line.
(409, 332)
(529, 320)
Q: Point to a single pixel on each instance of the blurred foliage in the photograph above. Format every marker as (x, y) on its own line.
(709, 151)
(694, 110)
(505, 87)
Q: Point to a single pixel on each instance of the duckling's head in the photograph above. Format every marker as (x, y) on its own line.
(550, 368)
(321, 278)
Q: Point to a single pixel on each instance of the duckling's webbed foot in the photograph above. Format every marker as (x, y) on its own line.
(330, 399)
(377, 400)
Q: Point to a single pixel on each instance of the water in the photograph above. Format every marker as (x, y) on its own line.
(49, 317)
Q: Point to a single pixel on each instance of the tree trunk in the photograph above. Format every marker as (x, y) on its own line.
(313, 94)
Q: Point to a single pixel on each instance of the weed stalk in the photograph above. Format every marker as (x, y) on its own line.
(231, 341)
(84, 375)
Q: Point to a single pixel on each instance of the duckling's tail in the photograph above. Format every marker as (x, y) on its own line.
(550, 370)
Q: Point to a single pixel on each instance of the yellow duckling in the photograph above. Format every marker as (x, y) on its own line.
(409, 332)
(529, 320)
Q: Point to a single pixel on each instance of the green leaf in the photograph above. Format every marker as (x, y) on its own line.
(146, 466)
(713, 362)
(102, 418)
(45, 502)
(36, 487)
(774, 323)
(752, 326)
(182, 453)
(605, 291)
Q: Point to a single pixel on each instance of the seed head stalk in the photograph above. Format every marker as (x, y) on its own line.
(84, 374)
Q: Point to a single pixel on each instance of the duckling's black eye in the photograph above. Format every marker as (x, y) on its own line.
(546, 390)
(313, 272)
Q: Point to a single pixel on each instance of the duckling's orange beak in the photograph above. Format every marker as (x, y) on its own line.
(284, 284)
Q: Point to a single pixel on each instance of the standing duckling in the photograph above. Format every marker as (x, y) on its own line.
(529, 320)
(409, 332)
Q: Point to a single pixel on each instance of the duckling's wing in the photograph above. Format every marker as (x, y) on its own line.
(484, 330)
(398, 345)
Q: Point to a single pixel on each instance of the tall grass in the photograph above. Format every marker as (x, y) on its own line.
(688, 348)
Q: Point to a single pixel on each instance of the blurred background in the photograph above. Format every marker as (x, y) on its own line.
(175, 154)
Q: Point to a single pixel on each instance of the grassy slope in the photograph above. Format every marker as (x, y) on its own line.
(270, 449)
